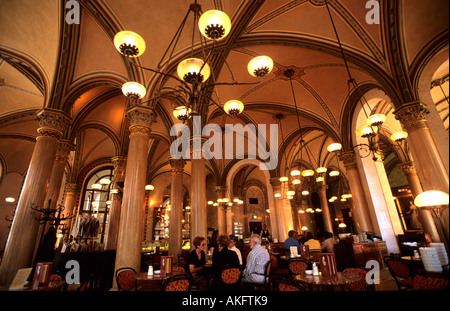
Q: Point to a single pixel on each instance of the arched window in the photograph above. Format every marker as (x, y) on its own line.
(96, 201)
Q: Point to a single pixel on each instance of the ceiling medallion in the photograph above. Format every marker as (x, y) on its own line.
(290, 72)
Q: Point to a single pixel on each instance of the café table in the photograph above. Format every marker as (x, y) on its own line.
(154, 282)
(328, 282)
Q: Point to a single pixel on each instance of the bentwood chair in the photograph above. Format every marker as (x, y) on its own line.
(361, 285)
(176, 283)
(126, 279)
(421, 282)
(401, 271)
(265, 285)
(298, 266)
(231, 278)
(283, 285)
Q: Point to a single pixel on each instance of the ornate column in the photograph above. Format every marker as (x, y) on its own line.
(116, 202)
(54, 187)
(281, 223)
(221, 215)
(70, 196)
(176, 206)
(322, 190)
(24, 229)
(129, 239)
(198, 195)
(426, 156)
(425, 216)
(360, 214)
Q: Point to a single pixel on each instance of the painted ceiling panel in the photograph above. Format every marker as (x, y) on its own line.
(39, 41)
(96, 53)
(17, 93)
(422, 21)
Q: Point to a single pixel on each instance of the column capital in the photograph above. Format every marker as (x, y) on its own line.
(64, 148)
(71, 188)
(141, 118)
(275, 182)
(119, 162)
(52, 122)
(177, 165)
(348, 158)
(321, 186)
(412, 116)
(408, 167)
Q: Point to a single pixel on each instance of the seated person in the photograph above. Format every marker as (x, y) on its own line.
(223, 258)
(232, 246)
(196, 263)
(328, 244)
(314, 245)
(256, 261)
(292, 241)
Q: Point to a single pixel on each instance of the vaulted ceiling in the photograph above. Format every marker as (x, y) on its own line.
(46, 62)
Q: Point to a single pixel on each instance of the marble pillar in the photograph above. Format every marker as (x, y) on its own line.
(425, 154)
(128, 251)
(221, 213)
(119, 163)
(360, 213)
(425, 216)
(198, 201)
(176, 206)
(24, 229)
(327, 222)
(279, 208)
(54, 187)
(70, 197)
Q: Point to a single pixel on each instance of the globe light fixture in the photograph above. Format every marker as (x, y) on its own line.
(129, 43)
(233, 107)
(260, 66)
(193, 70)
(214, 24)
(134, 90)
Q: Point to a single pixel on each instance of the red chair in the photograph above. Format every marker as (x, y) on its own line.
(178, 268)
(176, 283)
(298, 266)
(361, 285)
(126, 279)
(401, 272)
(421, 282)
(284, 285)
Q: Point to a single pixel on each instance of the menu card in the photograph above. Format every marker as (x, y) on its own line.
(304, 251)
(20, 279)
(166, 265)
(328, 265)
(294, 251)
(42, 274)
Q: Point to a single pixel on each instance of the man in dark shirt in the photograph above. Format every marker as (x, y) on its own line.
(292, 241)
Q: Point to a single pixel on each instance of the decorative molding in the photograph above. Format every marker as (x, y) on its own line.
(349, 159)
(177, 165)
(408, 168)
(141, 118)
(53, 123)
(412, 116)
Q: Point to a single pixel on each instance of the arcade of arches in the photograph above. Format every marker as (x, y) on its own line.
(69, 137)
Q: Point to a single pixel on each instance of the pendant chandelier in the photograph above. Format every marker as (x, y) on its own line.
(300, 178)
(374, 122)
(194, 75)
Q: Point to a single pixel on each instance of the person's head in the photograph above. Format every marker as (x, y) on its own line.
(264, 227)
(328, 235)
(232, 241)
(223, 241)
(309, 235)
(292, 234)
(199, 242)
(255, 239)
